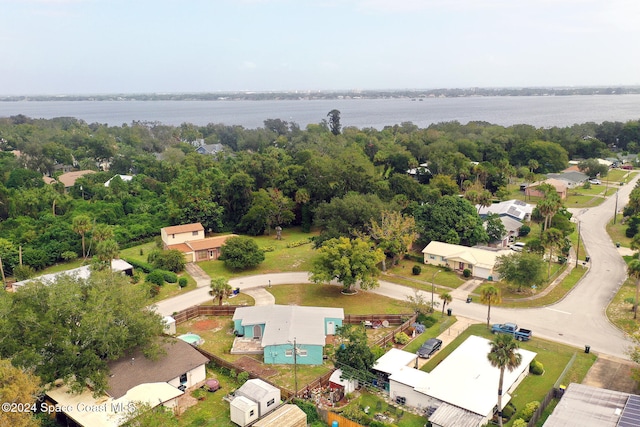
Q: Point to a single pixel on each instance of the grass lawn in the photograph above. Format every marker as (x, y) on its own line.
(329, 296)
(617, 232)
(509, 292)
(449, 279)
(211, 410)
(377, 405)
(555, 357)
(435, 330)
(620, 312)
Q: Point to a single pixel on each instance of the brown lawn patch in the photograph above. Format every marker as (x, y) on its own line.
(255, 367)
(207, 325)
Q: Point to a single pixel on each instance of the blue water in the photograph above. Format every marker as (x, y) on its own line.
(539, 111)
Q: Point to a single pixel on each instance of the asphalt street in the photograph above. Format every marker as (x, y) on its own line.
(579, 319)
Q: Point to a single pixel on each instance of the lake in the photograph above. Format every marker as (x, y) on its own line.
(539, 111)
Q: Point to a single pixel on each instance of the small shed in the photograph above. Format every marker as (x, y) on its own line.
(285, 416)
(169, 325)
(264, 394)
(338, 383)
(243, 411)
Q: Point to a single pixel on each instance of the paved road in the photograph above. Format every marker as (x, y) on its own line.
(579, 319)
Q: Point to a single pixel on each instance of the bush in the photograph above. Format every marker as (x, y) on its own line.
(154, 290)
(524, 230)
(156, 277)
(269, 248)
(519, 423)
(529, 410)
(308, 408)
(241, 252)
(23, 272)
(536, 368)
(183, 282)
(508, 411)
(427, 321)
(243, 377)
(298, 243)
(466, 272)
(171, 260)
(401, 338)
(146, 267)
(69, 255)
(169, 276)
(416, 270)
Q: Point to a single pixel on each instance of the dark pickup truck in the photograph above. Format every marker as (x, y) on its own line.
(511, 328)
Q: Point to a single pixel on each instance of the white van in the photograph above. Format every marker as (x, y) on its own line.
(518, 246)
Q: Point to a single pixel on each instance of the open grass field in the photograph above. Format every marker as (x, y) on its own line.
(555, 357)
(429, 273)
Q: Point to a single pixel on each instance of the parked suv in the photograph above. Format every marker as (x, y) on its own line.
(518, 246)
(429, 347)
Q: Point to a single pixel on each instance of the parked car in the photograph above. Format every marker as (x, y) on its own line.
(511, 328)
(429, 347)
(595, 181)
(518, 246)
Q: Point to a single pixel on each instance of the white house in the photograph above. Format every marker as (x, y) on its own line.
(132, 379)
(516, 209)
(480, 262)
(462, 390)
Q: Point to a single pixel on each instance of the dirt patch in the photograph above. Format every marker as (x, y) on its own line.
(207, 325)
(613, 374)
(255, 367)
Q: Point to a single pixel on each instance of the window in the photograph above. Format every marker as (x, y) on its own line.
(302, 353)
(251, 412)
(194, 233)
(288, 353)
(432, 257)
(183, 378)
(271, 402)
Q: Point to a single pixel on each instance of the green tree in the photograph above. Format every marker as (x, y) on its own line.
(334, 121)
(495, 228)
(503, 355)
(446, 299)
(106, 250)
(70, 329)
(521, 269)
(220, 289)
(490, 295)
(552, 238)
(18, 385)
(355, 357)
(593, 168)
(633, 270)
(145, 416)
(394, 234)
(240, 253)
(171, 260)
(350, 262)
(82, 224)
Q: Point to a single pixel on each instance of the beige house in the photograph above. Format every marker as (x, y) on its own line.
(191, 241)
(480, 262)
(560, 186)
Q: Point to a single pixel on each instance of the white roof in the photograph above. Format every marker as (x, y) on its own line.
(409, 376)
(125, 178)
(243, 403)
(286, 323)
(394, 360)
(335, 378)
(104, 414)
(467, 380)
(256, 389)
(514, 208)
(83, 272)
(474, 256)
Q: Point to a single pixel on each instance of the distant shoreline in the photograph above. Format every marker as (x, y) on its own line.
(333, 94)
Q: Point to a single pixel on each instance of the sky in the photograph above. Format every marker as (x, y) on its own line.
(56, 47)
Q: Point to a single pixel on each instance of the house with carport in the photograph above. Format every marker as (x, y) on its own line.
(462, 390)
(275, 330)
(481, 262)
(133, 379)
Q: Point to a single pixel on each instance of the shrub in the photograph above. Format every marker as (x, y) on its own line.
(69, 255)
(466, 272)
(529, 410)
(154, 290)
(172, 260)
(524, 230)
(135, 278)
(536, 368)
(23, 272)
(243, 377)
(298, 243)
(508, 411)
(146, 267)
(156, 277)
(416, 270)
(269, 248)
(401, 338)
(182, 282)
(169, 276)
(309, 409)
(427, 321)
(519, 423)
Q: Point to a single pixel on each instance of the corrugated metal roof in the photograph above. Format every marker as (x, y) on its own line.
(451, 416)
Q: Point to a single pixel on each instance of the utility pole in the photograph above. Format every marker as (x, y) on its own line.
(295, 367)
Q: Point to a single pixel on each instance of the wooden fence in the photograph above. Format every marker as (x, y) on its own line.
(543, 405)
(388, 338)
(204, 310)
(328, 417)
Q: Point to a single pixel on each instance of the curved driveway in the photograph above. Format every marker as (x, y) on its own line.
(579, 319)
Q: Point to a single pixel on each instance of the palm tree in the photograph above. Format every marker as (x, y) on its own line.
(551, 238)
(82, 225)
(633, 269)
(446, 299)
(490, 295)
(220, 289)
(503, 355)
(106, 250)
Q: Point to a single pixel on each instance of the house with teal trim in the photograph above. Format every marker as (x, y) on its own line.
(287, 334)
